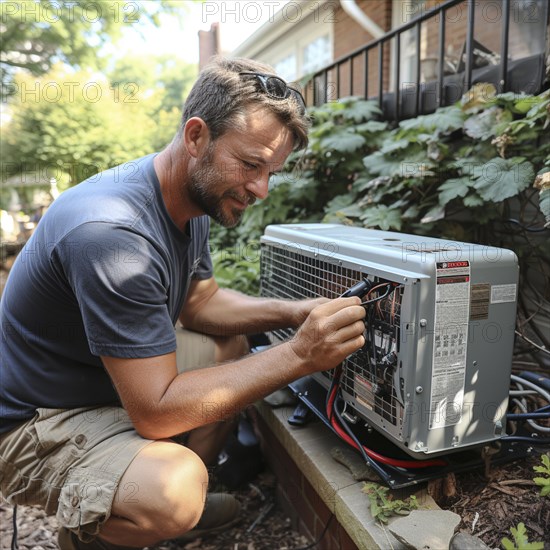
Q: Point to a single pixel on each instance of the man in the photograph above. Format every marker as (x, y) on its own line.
(91, 394)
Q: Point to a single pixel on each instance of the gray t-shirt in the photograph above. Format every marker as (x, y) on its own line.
(106, 272)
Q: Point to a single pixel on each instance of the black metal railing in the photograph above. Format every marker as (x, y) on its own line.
(397, 99)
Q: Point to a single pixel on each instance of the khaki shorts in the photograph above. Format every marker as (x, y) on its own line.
(70, 461)
(194, 350)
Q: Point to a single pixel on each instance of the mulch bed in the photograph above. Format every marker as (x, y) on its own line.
(489, 506)
(264, 525)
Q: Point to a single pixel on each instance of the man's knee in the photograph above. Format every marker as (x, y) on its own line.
(172, 483)
(182, 498)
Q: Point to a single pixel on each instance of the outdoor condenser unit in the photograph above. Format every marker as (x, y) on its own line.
(434, 375)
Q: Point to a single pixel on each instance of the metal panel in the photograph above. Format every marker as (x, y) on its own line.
(434, 375)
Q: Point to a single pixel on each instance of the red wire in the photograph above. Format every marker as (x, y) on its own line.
(372, 454)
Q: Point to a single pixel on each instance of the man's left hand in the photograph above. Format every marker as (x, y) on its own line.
(302, 308)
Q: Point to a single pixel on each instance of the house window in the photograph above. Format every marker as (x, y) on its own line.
(402, 13)
(316, 54)
(286, 67)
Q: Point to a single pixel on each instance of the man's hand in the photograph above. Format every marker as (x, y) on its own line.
(331, 332)
(302, 308)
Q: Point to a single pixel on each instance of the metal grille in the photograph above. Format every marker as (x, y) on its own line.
(293, 276)
(288, 274)
(369, 380)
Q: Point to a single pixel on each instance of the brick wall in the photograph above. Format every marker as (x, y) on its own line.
(301, 501)
(349, 36)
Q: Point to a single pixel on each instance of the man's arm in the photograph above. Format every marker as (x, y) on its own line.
(213, 310)
(162, 403)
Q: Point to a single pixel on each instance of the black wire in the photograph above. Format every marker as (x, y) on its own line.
(348, 430)
(371, 347)
(370, 461)
(14, 545)
(315, 543)
(528, 415)
(390, 288)
(531, 440)
(525, 228)
(337, 373)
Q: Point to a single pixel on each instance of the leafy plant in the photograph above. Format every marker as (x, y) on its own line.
(521, 541)
(477, 171)
(237, 271)
(463, 162)
(543, 183)
(383, 506)
(543, 482)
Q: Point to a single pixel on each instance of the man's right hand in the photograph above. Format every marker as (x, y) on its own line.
(331, 332)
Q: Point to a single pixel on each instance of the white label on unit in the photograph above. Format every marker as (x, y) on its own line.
(452, 311)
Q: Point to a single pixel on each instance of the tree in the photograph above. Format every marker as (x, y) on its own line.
(63, 119)
(36, 34)
(173, 75)
(75, 124)
(168, 78)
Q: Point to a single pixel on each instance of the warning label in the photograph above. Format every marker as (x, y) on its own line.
(479, 301)
(452, 311)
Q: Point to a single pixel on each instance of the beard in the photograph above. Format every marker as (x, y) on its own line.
(202, 191)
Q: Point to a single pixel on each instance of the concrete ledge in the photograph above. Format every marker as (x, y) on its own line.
(313, 486)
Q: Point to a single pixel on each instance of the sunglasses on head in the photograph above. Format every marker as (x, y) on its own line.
(277, 88)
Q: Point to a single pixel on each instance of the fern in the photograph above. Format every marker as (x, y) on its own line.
(521, 541)
(544, 482)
